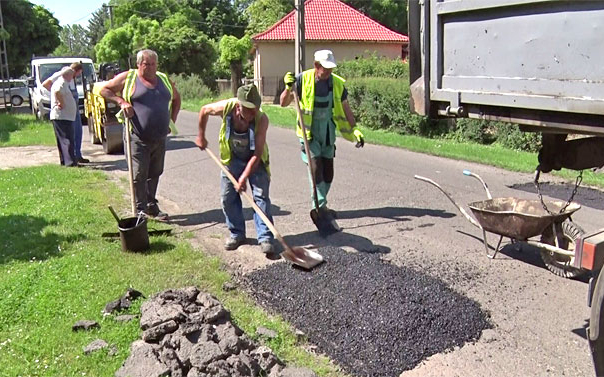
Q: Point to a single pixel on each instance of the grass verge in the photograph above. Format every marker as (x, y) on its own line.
(23, 129)
(56, 269)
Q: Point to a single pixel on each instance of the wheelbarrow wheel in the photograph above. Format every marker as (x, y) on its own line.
(562, 265)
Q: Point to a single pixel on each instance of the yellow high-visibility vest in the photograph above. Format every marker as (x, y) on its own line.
(223, 137)
(307, 102)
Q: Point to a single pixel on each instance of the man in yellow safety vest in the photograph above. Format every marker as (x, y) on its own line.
(325, 108)
(244, 152)
(151, 101)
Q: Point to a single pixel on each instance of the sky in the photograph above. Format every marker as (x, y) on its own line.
(70, 12)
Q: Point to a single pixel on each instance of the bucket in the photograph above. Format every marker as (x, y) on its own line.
(134, 237)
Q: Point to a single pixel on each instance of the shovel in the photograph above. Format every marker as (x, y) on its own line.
(297, 255)
(324, 222)
(127, 127)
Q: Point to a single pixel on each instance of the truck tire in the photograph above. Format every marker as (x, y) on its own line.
(595, 331)
(568, 232)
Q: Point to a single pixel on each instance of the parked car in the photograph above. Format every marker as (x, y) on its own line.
(15, 91)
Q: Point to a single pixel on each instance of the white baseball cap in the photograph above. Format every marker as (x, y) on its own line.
(325, 58)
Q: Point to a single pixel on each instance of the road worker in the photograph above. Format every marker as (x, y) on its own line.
(325, 108)
(244, 152)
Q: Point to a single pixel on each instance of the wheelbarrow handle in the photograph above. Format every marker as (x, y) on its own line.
(468, 173)
(460, 208)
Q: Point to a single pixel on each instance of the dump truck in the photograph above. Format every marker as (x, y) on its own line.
(103, 126)
(538, 64)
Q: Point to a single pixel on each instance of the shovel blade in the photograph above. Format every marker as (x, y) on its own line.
(302, 257)
(324, 222)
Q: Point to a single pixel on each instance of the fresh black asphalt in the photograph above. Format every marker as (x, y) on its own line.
(370, 317)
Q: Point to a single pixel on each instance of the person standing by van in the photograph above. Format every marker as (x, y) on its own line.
(77, 123)
(62, 114)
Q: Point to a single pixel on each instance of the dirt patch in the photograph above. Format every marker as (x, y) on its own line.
(21, 157)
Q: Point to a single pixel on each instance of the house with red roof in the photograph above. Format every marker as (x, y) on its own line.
(329, 24)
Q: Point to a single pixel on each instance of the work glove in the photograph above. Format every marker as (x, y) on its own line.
(360, 138)
(289, 79)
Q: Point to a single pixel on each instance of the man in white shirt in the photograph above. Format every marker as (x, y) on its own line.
(62, 114)
(77, 123)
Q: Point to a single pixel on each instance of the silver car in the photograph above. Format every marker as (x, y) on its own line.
(15, 91)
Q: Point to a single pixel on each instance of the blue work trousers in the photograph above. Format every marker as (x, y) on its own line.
(259, 181)
(77, 129)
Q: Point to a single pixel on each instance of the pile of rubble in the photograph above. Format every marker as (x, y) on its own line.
(188, 333)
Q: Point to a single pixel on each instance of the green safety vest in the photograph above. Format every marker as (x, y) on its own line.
(223, 138)
(307, 103)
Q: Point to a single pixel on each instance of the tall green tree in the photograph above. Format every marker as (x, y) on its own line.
(219, 17)
(390, 13)
(73, 41)
(181, 48)
(31, 30)
(262, 14)
(98, 25)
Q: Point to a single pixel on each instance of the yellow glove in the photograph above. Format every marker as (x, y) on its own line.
(289, 79)
(360, 138)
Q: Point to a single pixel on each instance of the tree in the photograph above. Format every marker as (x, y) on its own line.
(73, 41)
(31, 29)
(115, 46)
(219, 17)
(262, 14)
(390, 13)
(233, 52)
(182, 48)
(97, 26)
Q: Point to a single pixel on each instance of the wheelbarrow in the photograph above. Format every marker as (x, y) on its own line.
(522, 219)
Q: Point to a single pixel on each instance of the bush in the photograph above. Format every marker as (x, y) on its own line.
(510, 136)
(383, 103)
(191, 87)
(373, 66)
(474, 130)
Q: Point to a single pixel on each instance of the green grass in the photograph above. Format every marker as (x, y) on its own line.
(56, 269)
(23, 129)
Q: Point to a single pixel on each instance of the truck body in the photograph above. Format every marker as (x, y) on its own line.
(537, 63)
(44, 67)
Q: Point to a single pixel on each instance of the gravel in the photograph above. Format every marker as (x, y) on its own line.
(370, 317)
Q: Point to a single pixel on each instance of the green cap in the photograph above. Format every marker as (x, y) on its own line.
(248, 96)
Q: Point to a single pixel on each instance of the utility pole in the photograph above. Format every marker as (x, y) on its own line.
(300, 41)
(4, 73)
(110, 14)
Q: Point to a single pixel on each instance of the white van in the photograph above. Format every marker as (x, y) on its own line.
(42, 68)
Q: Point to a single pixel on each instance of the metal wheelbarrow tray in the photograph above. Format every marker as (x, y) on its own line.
(519, 219)
(522, 219)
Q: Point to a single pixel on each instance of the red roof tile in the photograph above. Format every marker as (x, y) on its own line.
(331, 20)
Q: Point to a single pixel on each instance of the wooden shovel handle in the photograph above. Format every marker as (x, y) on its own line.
(306, 147)
(247, 196)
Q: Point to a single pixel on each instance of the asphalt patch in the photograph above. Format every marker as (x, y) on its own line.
(370, 317)
(585, 196)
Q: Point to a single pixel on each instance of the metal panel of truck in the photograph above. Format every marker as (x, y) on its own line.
(538, 63)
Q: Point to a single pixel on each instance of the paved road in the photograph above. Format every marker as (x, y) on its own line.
(539, 319)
